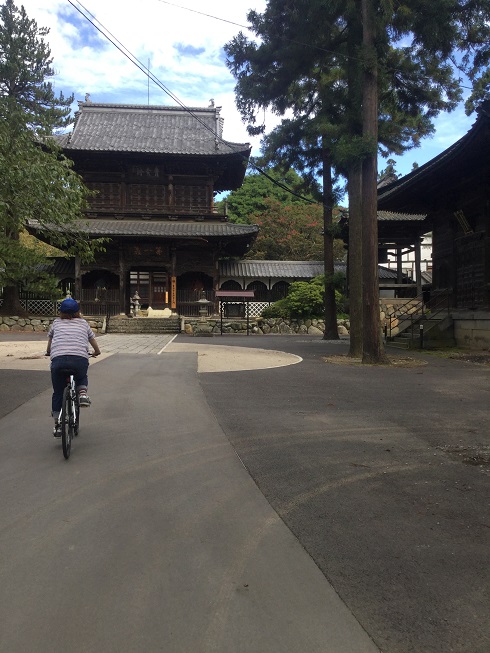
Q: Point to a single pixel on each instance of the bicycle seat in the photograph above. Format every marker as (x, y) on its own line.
(66, 370)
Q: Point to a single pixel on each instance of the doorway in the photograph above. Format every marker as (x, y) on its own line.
(151, 287)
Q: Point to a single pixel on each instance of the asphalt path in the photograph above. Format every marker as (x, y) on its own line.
(165, 531)
(153, 536)
(379, 473)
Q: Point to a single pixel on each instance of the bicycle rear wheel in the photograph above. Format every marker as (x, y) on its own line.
(66, 427)
(76, 426)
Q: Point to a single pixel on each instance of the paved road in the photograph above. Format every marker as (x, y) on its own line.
(153, 536)
(164, 536)
(379, 473)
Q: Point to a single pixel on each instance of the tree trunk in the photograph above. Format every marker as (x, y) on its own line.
(355, 263)
(11, 303)
(354, 182)
(331, 330)
(373, 351)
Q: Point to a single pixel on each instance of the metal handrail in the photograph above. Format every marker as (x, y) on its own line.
(417, 312)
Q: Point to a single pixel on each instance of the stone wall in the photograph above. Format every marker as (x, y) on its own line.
(41, 324)
(390, 307)
(261, 326)
(472, 329)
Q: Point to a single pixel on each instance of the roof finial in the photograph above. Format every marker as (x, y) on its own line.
(211, 103)
(87, 97)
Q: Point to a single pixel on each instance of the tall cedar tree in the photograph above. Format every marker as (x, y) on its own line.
(36, 181)
(315, 59)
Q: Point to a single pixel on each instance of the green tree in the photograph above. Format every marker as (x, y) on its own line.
(257, 190)
(291, 232)
(36, 181)
(356, 76)
(305, 298)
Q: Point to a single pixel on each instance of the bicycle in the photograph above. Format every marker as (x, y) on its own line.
(69, 417)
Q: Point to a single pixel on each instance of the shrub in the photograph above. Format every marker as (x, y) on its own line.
(278, 309)
(305, 299)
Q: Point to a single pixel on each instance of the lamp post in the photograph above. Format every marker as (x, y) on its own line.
(135, 300)
(203, 306)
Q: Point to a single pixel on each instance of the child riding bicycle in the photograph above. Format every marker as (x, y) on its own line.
(68, 340)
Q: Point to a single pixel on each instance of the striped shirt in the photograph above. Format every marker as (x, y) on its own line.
(70, 337)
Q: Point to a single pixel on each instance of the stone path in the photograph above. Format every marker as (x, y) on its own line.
(141, 343)
(29, 354)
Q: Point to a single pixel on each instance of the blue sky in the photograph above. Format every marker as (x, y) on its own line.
(184, 49)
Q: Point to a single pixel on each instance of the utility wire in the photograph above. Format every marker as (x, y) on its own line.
(296, 42)
(144, 69)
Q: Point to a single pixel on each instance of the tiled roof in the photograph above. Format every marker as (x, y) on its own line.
(386, 216)
(150, 130)
(263, 269)
(255, 269)
(285, 269)
(175, 229)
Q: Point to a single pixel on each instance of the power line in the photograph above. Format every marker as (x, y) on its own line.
(295, 41)
(145, 70)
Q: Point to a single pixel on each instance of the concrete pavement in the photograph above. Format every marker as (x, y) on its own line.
(153, 536)
(380, 473)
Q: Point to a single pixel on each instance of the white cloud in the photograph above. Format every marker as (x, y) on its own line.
(184, 50)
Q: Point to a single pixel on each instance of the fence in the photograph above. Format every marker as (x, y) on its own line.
(94, 302)
(38, 306)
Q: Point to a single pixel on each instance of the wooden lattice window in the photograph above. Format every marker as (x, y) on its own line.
(192, 198)
(146, 196)
(108, 195)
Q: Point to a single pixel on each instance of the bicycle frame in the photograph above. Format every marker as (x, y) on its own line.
(69, 414)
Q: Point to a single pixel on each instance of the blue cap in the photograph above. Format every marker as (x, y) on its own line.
(69, 305)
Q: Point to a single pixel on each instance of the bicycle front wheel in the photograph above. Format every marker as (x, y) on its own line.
(66, 427)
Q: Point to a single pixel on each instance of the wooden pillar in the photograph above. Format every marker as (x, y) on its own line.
(78, 279)
(399, 262)
(173, 280)
(123, 300)
(418, 267)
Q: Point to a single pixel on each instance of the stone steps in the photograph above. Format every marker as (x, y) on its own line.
(143, 325)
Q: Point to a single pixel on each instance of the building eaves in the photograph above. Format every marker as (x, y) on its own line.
(392, 216)
(155, 228)
(267, 269)
(255, 269)
(463, 146)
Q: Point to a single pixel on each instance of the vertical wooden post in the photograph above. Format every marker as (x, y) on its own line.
(123, 301)
(418, 267)
(78, 279)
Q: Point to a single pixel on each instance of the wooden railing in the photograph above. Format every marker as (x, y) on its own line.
(100, 301)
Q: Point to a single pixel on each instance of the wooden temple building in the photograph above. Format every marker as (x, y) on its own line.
(452, 193)
(156, 171)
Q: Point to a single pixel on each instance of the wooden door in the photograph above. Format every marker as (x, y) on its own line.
(158, 290)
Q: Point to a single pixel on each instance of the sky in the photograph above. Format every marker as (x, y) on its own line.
(182, 43)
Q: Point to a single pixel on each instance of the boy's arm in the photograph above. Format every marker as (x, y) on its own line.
(95, 346)
(48, 346)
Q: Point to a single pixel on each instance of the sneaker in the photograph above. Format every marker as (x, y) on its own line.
(57, 430)
(84, 401)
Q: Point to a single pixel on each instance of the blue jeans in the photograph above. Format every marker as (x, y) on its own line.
(78, 366)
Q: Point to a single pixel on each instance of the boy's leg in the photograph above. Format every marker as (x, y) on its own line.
(81, 380)
(58, 380)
